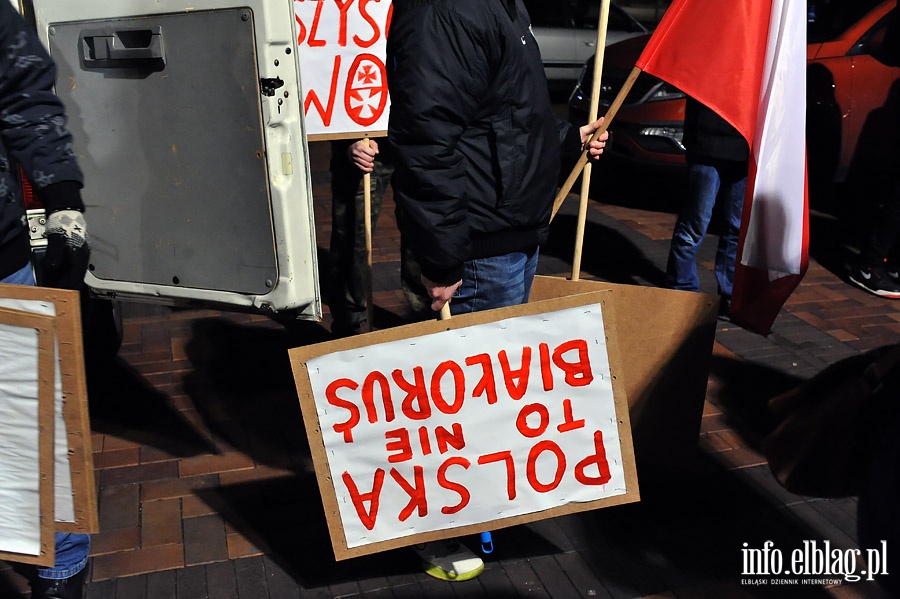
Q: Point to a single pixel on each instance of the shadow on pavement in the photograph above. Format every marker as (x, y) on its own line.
(655, 188)
(743, 391)
(122, 403)
(606, 253)
(242, 386)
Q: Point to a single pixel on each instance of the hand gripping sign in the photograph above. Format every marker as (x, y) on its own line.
(488, 420)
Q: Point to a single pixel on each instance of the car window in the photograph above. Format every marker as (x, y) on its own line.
(828, 19)
(872, 40)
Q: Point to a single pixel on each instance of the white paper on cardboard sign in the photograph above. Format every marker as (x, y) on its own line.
(63, 501)
(469, 425)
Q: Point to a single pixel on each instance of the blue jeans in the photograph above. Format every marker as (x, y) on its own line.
(727, 182)
(495, 282)
(71, 548)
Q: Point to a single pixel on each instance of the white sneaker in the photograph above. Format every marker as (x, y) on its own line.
(449, 560)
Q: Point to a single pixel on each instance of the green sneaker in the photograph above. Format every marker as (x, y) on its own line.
(449, 560)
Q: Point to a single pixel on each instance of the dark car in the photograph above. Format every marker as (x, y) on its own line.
(848, 91)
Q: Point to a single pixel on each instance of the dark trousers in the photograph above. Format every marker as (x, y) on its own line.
(348, 271)
(879, 244)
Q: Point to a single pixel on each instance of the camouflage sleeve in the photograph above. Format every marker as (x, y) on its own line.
(32, 118)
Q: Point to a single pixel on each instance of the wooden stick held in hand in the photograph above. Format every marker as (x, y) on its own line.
(367, 212)
(608, 117)
(592, 116)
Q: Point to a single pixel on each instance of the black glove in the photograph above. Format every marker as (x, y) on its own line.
(66, 260)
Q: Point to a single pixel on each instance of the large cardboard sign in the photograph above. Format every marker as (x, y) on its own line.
(666, 338)
(67, 494)
(486, 420)
(27, 356)
(344, 81)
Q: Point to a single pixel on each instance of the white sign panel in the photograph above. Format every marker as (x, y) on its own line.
(63, 501)
(20, 524)
(342, 49)
(469, 425)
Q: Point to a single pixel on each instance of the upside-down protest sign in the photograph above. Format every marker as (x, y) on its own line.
(487, 420)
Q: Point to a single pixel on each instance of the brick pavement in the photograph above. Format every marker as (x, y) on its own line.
(206, 487)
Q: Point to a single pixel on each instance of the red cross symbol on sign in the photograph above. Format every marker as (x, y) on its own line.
(366, 95)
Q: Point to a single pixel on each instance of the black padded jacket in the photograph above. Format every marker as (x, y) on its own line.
(478, 148)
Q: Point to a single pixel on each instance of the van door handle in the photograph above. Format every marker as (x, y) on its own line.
(116, 47)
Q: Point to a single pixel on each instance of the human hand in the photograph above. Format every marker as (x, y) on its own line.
(362, 153)
(66, 260)
(594, 148)
(439, 294)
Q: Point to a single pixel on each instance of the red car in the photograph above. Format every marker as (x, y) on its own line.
(851, 103)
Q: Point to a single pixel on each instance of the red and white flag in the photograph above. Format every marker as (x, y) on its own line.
(746, 59)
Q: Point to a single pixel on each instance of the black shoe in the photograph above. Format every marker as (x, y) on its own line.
(876, 281)
(724, 307)
(59, 588)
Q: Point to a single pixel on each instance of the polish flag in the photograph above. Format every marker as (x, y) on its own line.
(746, 59)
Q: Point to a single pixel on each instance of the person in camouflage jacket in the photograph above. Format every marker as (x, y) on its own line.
(34, 141)
(33, 136)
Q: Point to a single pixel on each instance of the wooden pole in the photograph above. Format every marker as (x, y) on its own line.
(608, 117)
(592, 116)
(445, 311)
(367, 212)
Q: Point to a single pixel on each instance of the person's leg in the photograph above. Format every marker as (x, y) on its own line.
(731, 194)
(71, 556)
(411, 278)
(349, 271)
(495, 282)
(871, 271)
(884, 232)
(23, 276)
(488, 283)
(690, 228)
(66, 577)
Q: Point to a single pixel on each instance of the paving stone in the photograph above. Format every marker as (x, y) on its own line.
(190, 583)
(138, 561)
(221, 580)
(162, 585)
(119, 506)
(161, 522)
(131, 587)
(204, 540)
(116, 539)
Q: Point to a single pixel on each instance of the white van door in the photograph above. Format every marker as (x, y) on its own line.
(188, 124)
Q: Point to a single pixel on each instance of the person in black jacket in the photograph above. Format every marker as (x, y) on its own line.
(717, 163)
(478, 149)
(33, 136)
(478, 152)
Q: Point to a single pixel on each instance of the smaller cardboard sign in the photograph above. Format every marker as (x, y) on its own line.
(666, 339)
(453, 427)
